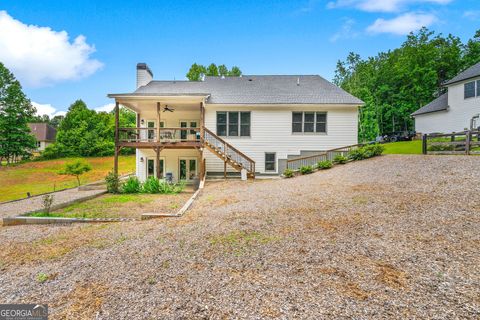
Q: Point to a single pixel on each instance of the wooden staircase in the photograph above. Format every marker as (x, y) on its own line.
(228, 153)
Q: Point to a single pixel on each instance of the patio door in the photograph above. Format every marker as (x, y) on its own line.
(151, 132)
(152, 167)
(187, 169)
(184, 134)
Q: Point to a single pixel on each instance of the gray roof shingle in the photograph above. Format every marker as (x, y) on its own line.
(472, 72)
(256, 89)
(439, 104)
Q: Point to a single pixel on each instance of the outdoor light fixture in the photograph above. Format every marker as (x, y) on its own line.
(141, 159)
(142, 122)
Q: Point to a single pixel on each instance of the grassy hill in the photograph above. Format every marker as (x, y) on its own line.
(42, 176)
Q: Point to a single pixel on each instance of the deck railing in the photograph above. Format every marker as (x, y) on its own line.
(152, 134)
(464, 142)
(297, 163)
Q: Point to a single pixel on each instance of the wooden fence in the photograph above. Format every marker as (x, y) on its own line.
(297, 163)
(464, 142)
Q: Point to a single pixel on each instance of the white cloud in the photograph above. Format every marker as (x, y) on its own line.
(307, 7)
(40, 56)
(47, 109)
(402, 24)
(106, 108)
(381, 5)
(472, 14)
(346, 31)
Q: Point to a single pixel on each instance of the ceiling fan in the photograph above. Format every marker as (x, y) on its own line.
(167, 108)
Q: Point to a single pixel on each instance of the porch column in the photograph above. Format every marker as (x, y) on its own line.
(202, 121)
(157, 161)
(158, 121)
(115, 158)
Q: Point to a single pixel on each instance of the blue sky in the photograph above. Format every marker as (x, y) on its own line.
(65, 50)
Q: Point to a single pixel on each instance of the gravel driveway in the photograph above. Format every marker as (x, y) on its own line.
(390, 237)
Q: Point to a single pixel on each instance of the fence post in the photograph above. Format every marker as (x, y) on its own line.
(424, 144)
(467, 142)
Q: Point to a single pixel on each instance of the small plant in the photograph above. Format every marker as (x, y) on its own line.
(326, 164)
(357, 154)
(132, 185)
(152, 185)
(340, 159)
(47, 201)
(113, 182)
(306, 169)
(76, 169)
(42, 277)
(288, 173)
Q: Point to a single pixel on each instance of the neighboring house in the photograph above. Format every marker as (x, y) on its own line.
(217, 126)
(454, 110)
(44, 133)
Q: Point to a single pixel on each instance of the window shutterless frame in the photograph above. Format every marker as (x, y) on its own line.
(233, 123)
(469, 90)
(309, 122)
(270, 162)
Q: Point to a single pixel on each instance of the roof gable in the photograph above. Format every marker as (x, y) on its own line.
(472, 72)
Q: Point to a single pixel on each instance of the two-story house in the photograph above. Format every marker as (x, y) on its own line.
(457, 109)
(221, 125)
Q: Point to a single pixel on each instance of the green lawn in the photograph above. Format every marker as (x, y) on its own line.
(403, 147)
(42, 176)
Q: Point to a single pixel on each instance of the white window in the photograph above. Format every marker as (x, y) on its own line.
(469, 90)
(309, 122)
(270, 161)
(233, 124)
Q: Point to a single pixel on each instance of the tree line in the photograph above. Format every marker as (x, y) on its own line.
(197, 70)
(82, 132)
(396, 83)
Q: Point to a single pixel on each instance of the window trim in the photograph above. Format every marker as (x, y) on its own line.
(239, 124)
(315, 132)
(475, 89)
(478, 87)
(275, 165)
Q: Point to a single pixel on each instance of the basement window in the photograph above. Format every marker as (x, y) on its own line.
(270, 161)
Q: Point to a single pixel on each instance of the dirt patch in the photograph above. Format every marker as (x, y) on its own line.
(391, 276)
(83, 302)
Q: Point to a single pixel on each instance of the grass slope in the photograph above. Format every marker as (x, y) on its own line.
(42, 176)
(403, 147)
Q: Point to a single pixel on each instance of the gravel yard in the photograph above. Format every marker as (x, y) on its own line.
(389, 237)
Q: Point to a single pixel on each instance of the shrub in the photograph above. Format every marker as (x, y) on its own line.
(132, 185)
(441, 148)
(357, 154)
(288, 173)
(340, 159)
(47, 201)
(169, 188)
(325, 164)
(151, 185)
(113, 182)
(306, 169)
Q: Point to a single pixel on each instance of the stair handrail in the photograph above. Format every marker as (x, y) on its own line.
(229, 146)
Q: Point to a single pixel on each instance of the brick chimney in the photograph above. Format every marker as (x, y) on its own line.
(144, 74)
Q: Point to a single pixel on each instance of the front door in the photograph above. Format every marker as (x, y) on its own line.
(188, 169)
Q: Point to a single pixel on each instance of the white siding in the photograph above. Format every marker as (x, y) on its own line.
(271, 131)
(456, 118)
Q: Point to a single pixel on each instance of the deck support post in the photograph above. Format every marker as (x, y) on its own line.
(424, 144)
(117, 150)
(158, 121)
(157, 161)
(202, 121)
